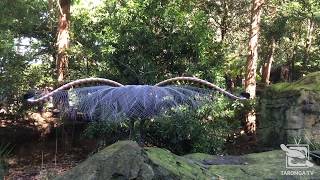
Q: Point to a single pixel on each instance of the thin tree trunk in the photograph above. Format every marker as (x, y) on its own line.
(63, 40)
(50, 6)
(224, 25)
(251, 67)
(291, 57)
(291, 62)
(267, 65)
(308, 43)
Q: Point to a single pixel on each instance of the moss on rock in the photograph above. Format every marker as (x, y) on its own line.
(290, 110)
(310, 82)
(180, 167)
(126, 160)
(122, 160)
(265, 165)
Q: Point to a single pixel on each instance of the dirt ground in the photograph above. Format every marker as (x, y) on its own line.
(42, 147)
(38, 161)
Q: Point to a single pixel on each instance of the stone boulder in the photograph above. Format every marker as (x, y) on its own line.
(290, 111)
(264, 165)
(126, 160)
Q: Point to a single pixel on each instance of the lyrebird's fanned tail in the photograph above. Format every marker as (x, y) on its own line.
(200, 82)
(73, 84)
(104, 99)
(116, 84)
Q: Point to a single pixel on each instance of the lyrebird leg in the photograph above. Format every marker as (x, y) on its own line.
(131, 129)
(141, 132)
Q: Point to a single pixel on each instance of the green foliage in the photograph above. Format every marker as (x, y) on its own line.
(145, 41)
(295, 27)
(106, 132)
(204, 130)
(25, 39)
(180, 130)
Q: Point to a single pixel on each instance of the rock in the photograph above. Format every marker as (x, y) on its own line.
(170, 166)
(290, 111)
(264, 165)
(122, 160)
(126, 160)
(219, 160)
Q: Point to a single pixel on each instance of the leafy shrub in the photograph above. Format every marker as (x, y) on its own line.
(181, 130)
(203, 130)
(105, 132)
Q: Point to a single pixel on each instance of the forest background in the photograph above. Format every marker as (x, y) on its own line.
(47, 43)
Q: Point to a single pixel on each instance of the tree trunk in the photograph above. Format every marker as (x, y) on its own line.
(224, 24)
(292, 62)
(63, 40)
(308, 43)
(267, 65)
(251, 67)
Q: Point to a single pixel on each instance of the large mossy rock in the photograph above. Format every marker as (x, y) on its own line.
(264, 165)
(290, 110)
(126, 160)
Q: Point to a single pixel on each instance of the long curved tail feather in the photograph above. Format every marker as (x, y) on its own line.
(73, 84)
(201, 82)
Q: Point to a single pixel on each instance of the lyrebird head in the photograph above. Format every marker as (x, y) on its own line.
(245, 95)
